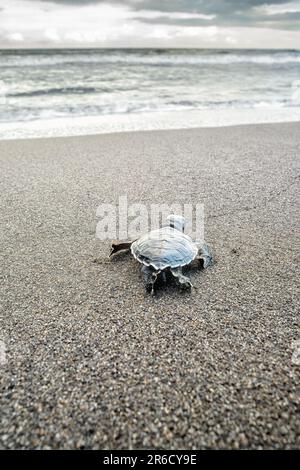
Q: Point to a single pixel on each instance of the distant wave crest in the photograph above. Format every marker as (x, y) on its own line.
(150, 59)
(53, 91)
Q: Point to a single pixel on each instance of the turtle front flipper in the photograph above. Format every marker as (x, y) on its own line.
(184, 281)
(119, 246)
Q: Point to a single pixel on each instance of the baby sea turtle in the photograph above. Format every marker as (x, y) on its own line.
(166, 251)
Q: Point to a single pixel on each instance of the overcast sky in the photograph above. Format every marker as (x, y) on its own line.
(150, 23)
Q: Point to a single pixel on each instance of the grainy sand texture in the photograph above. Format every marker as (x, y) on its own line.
(88, 358)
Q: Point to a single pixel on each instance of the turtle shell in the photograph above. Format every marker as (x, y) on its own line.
(163, 248)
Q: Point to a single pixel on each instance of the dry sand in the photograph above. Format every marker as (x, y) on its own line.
(91, 360)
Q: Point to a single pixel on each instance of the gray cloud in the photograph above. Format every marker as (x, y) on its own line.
(151, 23)
(226, 12)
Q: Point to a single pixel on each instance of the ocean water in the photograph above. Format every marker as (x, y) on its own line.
(39, 87)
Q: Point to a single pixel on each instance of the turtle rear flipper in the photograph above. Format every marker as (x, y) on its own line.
(203, 259)
(205, 254)
(184, 281)
(150, 278)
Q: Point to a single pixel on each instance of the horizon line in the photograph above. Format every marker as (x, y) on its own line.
(36, 48)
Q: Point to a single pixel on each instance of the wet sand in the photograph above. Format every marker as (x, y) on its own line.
(88, 359)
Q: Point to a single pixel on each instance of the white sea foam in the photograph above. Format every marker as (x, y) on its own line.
(90, 125)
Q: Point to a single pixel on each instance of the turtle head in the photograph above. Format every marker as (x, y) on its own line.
(176, 221)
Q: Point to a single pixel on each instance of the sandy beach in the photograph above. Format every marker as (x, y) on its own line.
(88, 358)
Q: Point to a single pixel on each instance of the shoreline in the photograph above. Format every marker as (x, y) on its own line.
(143, 131)
(146, 121)
(92, 361)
